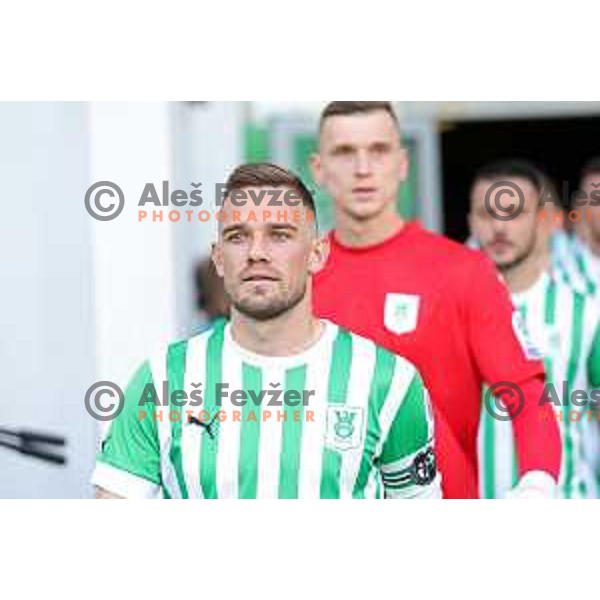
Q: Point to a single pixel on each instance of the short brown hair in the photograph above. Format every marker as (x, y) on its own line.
(268, 174)
(339, 108)
(524, 169)
(591, 167)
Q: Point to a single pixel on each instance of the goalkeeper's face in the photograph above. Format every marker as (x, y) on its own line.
(506, 224)
(361, 163)
(267, 255)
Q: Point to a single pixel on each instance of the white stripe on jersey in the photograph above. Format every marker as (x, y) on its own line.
(191, 435)
(403, 377)
(270, 443)
(313, 434)
(229, 432)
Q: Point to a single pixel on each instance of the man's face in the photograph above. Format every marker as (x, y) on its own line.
(361, 162)
(507, 243)
(591, 187)
(266, 262)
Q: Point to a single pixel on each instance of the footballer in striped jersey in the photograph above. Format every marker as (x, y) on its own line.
(577, 253)
(563, 322)
(285, 405)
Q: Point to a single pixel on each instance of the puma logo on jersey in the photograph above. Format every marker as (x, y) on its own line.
(209, 427)
(401, 312)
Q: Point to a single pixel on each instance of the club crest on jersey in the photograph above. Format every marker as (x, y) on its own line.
(401, 312)
(344, 427)
(530, 348)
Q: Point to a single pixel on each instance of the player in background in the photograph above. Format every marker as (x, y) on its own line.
(211, 300)
(577, 252)
(563, 322)
(366, 430)
(565, 256)
(425, 297)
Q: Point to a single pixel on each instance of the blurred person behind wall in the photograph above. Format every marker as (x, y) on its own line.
(211, 299)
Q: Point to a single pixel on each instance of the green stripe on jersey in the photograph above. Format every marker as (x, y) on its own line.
(489, 450)
(289, 467)
(593, 362)
(176, 356)
(577, 337)
(339, 376)
(589, 281)
(411, 432)
(250, 436)
(550, 303)
(210, 443)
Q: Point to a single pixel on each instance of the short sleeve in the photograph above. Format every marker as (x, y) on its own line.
(408, 464)
(128, 463)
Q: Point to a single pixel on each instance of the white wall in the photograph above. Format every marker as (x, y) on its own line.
(47, 355)
(143, 270)
(209, 145)
(84, 300)
(131, 144)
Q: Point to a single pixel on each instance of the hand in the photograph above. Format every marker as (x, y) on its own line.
(535, 485)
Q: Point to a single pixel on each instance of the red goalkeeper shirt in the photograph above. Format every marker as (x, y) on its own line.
(443, 307)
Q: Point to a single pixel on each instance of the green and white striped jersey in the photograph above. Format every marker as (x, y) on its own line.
(575, 263)
(356, 424)
(564, 323)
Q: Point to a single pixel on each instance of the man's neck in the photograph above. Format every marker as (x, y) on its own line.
(290, 333)
(525, 275)
(352, 232)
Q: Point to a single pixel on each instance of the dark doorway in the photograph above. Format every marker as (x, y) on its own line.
(560, 146)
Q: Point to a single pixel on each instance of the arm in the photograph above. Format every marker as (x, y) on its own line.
(102, 494)
(503, 354)
(128, 464)
(408, 465)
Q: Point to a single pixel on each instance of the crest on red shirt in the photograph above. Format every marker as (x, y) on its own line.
(401, 312)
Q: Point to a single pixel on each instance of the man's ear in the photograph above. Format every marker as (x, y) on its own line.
(319, 255)
(316, 167)
(470, 223)
(216, 255)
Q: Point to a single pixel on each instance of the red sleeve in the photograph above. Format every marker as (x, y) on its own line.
(502, 355)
